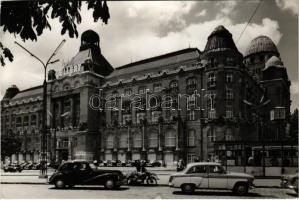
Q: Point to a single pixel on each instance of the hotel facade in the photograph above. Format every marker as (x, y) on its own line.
(234, 95)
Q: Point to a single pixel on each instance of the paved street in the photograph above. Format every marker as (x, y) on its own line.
(26, 191)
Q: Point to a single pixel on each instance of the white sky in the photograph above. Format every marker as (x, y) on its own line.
(139, 30)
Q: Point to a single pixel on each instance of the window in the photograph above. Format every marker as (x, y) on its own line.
(33, 120)
(191, 83)
(128, 92)
(229, 135)
(153, 139)
(155, 116)
(211, 104)
(173, 84)
(191, 115)
(142, 90)
(216, 169)
(126, 118)
(229, 94)
(212, 114)
(19, 122)
(191, 101)
(157, 87)
(197, 169)
(229, 78)
(191, 158)
(191, 138)
(140, 116)
(109, 141)
(123, 141)
(229, 110)
(212, 80)
(137, 140)
(26, 121)
(114, 116)
(211, 135)
(170, 139)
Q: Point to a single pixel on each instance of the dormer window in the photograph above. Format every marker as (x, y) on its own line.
(212, 80)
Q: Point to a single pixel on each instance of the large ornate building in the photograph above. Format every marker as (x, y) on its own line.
(231, 94)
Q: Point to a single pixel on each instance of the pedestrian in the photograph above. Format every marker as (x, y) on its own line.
(137, 165)
(142, 167)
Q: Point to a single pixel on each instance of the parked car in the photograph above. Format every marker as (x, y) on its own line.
(290, 181)
(210, 175)
(156, 163)
(129, 163)
(12, 168)
(73, 173)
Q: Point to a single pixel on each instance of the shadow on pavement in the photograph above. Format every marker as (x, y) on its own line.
(213, 193)
(293, 194)
(90, 188)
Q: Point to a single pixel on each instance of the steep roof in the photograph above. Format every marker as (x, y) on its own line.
(29, 93)
(220, 39)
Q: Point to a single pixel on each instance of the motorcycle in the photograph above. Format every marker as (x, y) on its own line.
(138, 178)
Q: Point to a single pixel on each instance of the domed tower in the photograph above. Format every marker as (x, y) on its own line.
(89, 57)
(89, 39)
(277, 88)
(257, 53)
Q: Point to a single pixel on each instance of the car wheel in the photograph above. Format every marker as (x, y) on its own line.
(188, 188)
(59, 183)
(241, 189)
(151, 181)
(296, 185)
(109, 184)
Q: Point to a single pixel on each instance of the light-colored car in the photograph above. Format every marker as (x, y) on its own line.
(210, 175)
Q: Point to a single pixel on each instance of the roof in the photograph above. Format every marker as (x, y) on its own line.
(220, 39)
(103, 67)
(161, 61)
(28, 93)
(202, 163)
(260, 44)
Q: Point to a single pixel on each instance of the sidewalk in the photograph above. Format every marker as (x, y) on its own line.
(163, 180)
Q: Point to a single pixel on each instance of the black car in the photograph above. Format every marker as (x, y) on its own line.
(82, 173)
(12, 168)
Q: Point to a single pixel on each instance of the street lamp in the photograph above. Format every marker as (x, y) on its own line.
(43, 159)
(256, 108)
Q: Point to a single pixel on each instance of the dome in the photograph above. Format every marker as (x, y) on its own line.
(261, 44)
(274, 62)
(220, 39)
(90, 36)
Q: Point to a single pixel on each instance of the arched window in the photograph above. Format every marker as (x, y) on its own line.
(170, 138)
(137, 140)
(153, 139)
(109, 141)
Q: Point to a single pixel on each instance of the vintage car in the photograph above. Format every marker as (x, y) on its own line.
(73, 173)
(290, 181)
(12, 168)
(210, 175)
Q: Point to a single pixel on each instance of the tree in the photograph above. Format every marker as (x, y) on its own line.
(10, 144)
(28, 19)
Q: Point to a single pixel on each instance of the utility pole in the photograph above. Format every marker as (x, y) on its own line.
(43, 158)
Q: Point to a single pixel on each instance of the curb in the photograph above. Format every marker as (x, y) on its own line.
(31, 183)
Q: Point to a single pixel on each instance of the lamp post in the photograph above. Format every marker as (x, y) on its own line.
(256, 108)
(43, 159)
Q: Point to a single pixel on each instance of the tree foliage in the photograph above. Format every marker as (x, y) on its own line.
(10, 144)
(28, 19)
